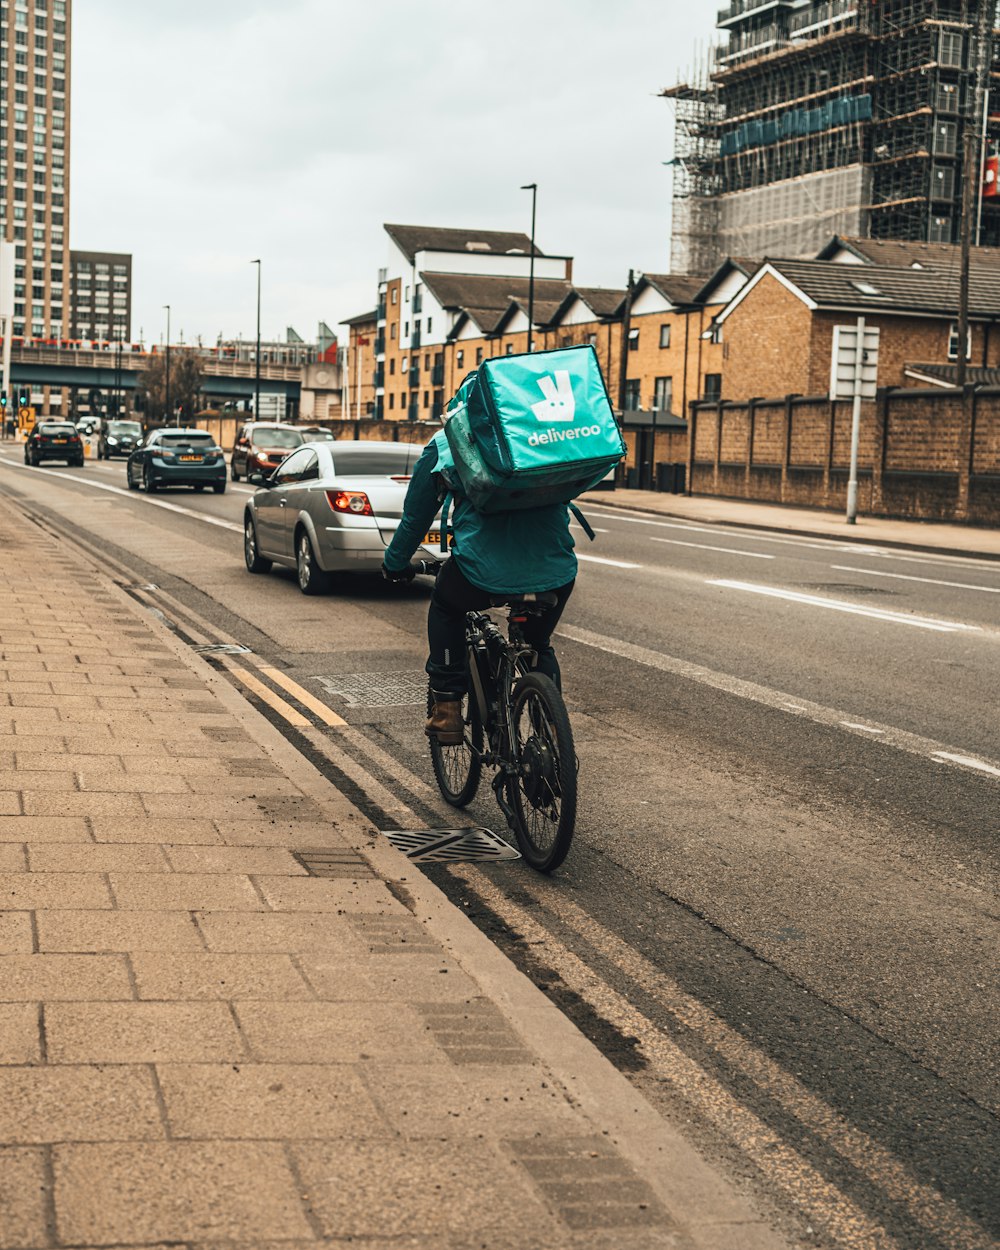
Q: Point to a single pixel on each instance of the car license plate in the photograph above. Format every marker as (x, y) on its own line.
(60, 440)
(433, 536)
(198, 458)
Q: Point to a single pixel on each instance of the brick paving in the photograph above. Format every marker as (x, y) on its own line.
(201, 1045)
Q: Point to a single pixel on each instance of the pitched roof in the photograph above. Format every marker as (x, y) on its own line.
(604, 301)
(740, 264)
(947, 375)
(490, 291)
(678, 288)
(413, 239)
(360, 319)
(932, 291)
(900, 253)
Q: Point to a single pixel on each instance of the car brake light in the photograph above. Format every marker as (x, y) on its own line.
(355, 501)
(401, 477)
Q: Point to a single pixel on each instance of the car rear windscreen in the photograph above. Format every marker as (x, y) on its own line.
(197, 439)
(124, 427)
(375, 461)
(276, 438)
(51, 427)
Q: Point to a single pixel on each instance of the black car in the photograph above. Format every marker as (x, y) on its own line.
(118, 438)
(54, 440)
(177, 457)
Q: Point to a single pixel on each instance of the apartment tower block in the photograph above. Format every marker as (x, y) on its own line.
(34, 160)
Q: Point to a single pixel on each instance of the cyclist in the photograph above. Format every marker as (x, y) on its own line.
(492, 555)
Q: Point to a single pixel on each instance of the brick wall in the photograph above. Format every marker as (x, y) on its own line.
(914, 454)
(765, 344)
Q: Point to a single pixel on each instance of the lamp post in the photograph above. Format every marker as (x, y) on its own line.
(533, 188)
(167, 307)
(256, 387)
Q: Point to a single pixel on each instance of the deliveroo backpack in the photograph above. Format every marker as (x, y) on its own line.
(530, 430)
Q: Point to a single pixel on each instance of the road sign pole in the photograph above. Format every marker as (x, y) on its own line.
(852, 484)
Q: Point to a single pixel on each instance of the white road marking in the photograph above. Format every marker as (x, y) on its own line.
(906, 577)
(968, 761)
(840, 605)
(618, 564)
(780, 700)
(595, 528)
(732, 551)
(131, 494)
(748, 534)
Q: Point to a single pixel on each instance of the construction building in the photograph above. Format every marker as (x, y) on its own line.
(821, 117)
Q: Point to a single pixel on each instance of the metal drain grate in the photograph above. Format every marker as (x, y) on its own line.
(338, 862)
(222, 648)
(451, 845)
(377, 689)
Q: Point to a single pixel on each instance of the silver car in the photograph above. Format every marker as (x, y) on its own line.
(331, 507)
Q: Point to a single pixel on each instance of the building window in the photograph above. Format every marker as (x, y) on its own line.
(479, 355)
(592, 338)
(633, 340)
(427, 399)
(392, 400)
(663, 394)
(953, 342)
(509, 349)
(948, 97)
(942, 182)
(392, 367)
(429, 322)
(713, 386)
(404, 364)
(632, 394)
(665, 336)
(945, 138)
(392, 330)
(395, 294)
(460, 358)
(951, 51)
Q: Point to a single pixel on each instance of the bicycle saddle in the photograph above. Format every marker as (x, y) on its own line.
(533, 599)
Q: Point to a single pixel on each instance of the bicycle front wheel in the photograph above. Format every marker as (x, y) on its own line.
(542, 792)
(457, 769)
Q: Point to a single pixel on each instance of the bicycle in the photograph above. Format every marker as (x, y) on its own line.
(516, 723)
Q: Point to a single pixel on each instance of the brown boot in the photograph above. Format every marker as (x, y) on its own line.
(445, 722)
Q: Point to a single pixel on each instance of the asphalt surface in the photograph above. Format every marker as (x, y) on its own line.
(779, 913)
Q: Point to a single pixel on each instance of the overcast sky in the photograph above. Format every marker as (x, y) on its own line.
(206, 133)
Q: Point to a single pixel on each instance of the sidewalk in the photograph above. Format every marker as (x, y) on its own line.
(202, 1043)
(943, 538)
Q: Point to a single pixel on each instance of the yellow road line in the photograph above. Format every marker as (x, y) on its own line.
(269, 697)
(304, 697)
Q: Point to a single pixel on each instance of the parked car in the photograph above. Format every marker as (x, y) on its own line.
(331, 507)
(177, 457)
(315, 433)
(118, 438)
(260, 447)
(54, 440)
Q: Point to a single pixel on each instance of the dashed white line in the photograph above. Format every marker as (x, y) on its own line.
(617, 564)
(841, 605)
(732, 551)
(780, 700)
(908, 577)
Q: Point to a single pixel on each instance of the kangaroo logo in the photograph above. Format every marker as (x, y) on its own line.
(558, 404)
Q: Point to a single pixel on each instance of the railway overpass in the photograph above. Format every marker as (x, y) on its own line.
(223, 380)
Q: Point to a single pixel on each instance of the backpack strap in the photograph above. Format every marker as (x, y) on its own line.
(445, 509)
(584, 523)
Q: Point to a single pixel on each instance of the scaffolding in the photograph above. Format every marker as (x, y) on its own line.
(874, 93)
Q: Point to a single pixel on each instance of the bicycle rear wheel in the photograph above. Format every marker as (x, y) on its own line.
(457, 769)
(542, 794)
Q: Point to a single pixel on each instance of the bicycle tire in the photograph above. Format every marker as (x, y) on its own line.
(545, 783)
(457, 770)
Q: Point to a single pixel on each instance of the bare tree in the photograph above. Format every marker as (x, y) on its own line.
(185, 385)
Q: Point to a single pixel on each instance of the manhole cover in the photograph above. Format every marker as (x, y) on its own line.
(222, 648)
(432, 845)
(377, 689)
(334, 862)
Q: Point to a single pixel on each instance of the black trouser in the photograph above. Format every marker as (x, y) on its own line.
(454, 596)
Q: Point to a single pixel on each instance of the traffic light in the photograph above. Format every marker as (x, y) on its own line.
(23, 398)
(3, 401)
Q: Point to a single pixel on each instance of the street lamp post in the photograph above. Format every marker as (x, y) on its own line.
(256, 388)
(533, 188)
(167, 388)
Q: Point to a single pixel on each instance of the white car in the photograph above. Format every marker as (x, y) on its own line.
(331, 507)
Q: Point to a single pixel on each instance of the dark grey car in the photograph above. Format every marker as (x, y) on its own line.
(118, 438)
(331, 507)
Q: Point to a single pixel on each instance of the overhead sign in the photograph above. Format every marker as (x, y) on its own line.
(848, 375)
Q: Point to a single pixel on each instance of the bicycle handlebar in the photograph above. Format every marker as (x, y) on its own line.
(425, 568)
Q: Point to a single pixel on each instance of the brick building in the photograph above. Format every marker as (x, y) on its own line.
(359, 375)
(776, 333)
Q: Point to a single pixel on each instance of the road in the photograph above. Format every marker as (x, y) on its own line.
(779, 915)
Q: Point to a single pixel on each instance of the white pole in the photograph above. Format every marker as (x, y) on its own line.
(852, 484)
(345, 386)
